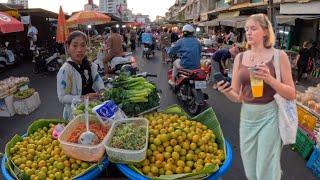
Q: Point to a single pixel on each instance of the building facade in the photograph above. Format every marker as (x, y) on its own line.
(115, 7)
(295, 21)
(19, 2)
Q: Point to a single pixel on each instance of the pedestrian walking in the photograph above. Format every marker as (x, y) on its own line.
(260, 141)
(174, 36)
(32, 35)
(77, 78)
(133, 38)
(165, 42)
(302, 60)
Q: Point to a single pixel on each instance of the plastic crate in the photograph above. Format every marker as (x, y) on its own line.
(78, 151)
(122, 155)
(306, 119)
(314, 162)
(303, 144)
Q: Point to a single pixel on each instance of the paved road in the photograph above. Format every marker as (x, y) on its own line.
(294, 167)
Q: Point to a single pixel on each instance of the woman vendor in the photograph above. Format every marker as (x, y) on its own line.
(78, 77)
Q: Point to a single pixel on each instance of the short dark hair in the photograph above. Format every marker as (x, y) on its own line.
(75, 34)
(170, 31)
(114, 29)
(165, 30)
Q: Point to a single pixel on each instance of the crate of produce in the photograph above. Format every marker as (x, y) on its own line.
(127, 140)
(181, 147)
(303, 145)
(33, 155)
(306, 119)
(314, 162)
(71, 133)
(27, 105)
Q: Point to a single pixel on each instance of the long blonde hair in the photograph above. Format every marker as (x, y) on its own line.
(263, 20)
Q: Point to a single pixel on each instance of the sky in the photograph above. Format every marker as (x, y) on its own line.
(148, 7)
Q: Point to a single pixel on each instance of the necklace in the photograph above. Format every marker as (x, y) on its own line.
(253, 59)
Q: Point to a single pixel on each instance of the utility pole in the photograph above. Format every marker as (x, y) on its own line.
(271, 11)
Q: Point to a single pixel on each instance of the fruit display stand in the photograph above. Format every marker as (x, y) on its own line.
(206, 118)
(12, 171)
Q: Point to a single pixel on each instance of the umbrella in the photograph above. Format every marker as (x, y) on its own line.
(88, 17)
(62, 29)
(9, 24)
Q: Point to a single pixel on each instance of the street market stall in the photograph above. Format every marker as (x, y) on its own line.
(16, 97)
(142, 147)
(308, 135)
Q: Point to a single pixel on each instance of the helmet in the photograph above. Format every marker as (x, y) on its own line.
(188, 28)
(148, 29)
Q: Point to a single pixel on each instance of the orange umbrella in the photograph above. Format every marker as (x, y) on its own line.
(88, 17)
(62, 29)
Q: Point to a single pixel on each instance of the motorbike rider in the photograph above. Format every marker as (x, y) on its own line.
(190, 50)
(147, 39)
(113, 48)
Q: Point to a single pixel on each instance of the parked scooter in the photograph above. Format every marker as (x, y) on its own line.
(126, 63)
(8, 57)
(44, 61)
(207, 52)
(188, 88)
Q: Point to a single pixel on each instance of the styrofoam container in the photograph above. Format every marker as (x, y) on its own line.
(78, 151)
(122, 155)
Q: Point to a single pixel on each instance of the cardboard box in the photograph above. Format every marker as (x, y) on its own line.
(6, 107)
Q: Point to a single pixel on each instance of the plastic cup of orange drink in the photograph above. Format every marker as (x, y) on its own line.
(256, 85)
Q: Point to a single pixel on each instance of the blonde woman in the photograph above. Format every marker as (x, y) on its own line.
(260, 142)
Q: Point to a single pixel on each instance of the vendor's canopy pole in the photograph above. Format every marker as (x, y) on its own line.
(62, 29)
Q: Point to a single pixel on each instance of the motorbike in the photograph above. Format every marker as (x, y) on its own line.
(126, 64)
(44, 61)
(188, 88)
(148, 50)
(207, 52)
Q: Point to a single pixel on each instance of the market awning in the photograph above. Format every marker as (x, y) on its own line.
(311, 8)
(39, 12)
(237, 22)
(9, 10)
(290, 19)
(214, 22)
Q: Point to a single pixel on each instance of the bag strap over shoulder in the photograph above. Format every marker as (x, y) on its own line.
(277, 64)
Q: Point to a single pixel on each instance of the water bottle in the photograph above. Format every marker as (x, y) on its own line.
(108, 112)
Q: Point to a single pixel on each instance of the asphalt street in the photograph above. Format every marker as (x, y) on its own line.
(293, 166)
